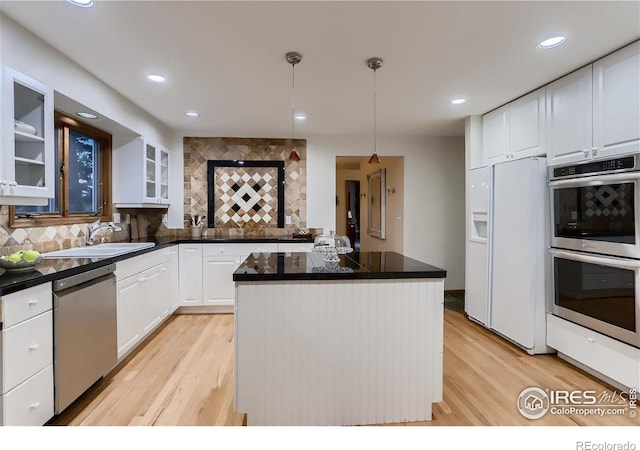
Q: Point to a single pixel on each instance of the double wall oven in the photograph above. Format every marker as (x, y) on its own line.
(595, 240)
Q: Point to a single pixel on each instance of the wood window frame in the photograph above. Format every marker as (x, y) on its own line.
(64, 123)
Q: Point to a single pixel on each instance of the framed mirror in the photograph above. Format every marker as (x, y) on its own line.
(376, 203)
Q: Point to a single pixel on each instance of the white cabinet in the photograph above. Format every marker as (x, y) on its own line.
(609, 357)
(569, 117)
(143, 297)
(129, 307)
(141, 174)
(27, 163)
(515, 130)
(219, 261)
(206, 271)
(594, 112)
(495, 135)
(293, 247)
(616, 102)
(218, 287)
(526, 125)
(155, 296)
(190, 274)
(26, 357)
(173, 269)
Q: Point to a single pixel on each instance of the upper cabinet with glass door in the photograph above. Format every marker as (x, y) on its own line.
(141, 174)
(27, 163)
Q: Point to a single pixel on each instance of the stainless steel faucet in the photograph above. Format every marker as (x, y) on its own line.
(96, 226)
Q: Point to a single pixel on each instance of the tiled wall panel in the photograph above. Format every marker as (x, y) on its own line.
(197, 151)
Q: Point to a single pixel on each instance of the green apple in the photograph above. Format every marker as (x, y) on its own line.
(30, 255)
(15, 257)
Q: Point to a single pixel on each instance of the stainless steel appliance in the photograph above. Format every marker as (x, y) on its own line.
(595, 240)
(85, 332)
(599, 292)
(595, 206)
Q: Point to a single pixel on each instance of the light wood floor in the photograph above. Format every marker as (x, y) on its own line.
(183, 375)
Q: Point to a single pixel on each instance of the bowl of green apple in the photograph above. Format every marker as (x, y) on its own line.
(21, 261)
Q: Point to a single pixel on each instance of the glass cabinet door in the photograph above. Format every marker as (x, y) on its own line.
(28, 145)
(150, 176)
(164, 176)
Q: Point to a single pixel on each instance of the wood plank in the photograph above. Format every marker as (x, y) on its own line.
(183, 375)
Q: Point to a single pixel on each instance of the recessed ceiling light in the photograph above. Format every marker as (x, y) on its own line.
(87, 115)
(156, 78)
(552, 42)
(458, 101)
(300, 117)
(192, 114)
(82, 3)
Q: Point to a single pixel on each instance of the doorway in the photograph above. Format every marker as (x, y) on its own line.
(353, 198)
(352, 216)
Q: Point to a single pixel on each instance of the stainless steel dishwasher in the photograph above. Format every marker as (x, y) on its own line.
(84, 332)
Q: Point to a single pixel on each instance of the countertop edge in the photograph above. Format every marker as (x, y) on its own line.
(339, 276)
(159, 244)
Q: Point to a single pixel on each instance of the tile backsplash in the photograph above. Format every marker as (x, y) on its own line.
(50, 238)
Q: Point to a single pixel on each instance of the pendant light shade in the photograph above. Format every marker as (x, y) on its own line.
(293, 58)
(374, 64)
(294, 157)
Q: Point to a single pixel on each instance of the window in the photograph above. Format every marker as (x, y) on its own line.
(83, 181)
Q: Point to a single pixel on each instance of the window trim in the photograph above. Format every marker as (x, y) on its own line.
(63, 124)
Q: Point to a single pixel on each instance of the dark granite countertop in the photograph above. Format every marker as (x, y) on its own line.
(311, 266)
(55, 269)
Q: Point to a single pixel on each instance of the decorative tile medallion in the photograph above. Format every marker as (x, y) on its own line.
(245, 194)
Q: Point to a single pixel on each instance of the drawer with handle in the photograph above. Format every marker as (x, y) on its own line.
(30, 403)
(26, 349)
(25, 304)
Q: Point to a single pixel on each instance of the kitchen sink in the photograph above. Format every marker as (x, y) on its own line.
(106, 250)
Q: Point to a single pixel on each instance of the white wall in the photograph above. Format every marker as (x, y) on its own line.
(25, 52)
(394, 206)
(434, 193)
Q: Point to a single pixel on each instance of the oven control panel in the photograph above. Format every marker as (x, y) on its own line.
(595, 167)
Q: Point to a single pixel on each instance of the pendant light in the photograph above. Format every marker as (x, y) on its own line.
(374, 64)
(293, 58)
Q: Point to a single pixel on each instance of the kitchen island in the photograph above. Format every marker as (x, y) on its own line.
(359, 342)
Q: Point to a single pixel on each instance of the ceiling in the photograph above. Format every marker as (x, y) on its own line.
(226, 60)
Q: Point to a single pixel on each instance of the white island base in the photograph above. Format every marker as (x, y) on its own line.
(336, 352)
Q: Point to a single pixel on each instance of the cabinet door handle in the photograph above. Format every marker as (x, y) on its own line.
(590, 339)
(586, 153)
(13, 183)
(34, 347)
(164, 269)
(34, 405)
(142, 279)
(594, 151)
(33, 302)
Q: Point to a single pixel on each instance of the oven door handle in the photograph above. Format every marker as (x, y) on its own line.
(631, 264)
(597, 180)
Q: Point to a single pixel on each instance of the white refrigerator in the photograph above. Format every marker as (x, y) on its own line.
(519, 226)
(477, 262)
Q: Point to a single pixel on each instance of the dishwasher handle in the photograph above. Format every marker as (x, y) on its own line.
(84, 277)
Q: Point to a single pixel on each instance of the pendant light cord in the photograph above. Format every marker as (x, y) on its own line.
(375, 146)
(293, 104)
